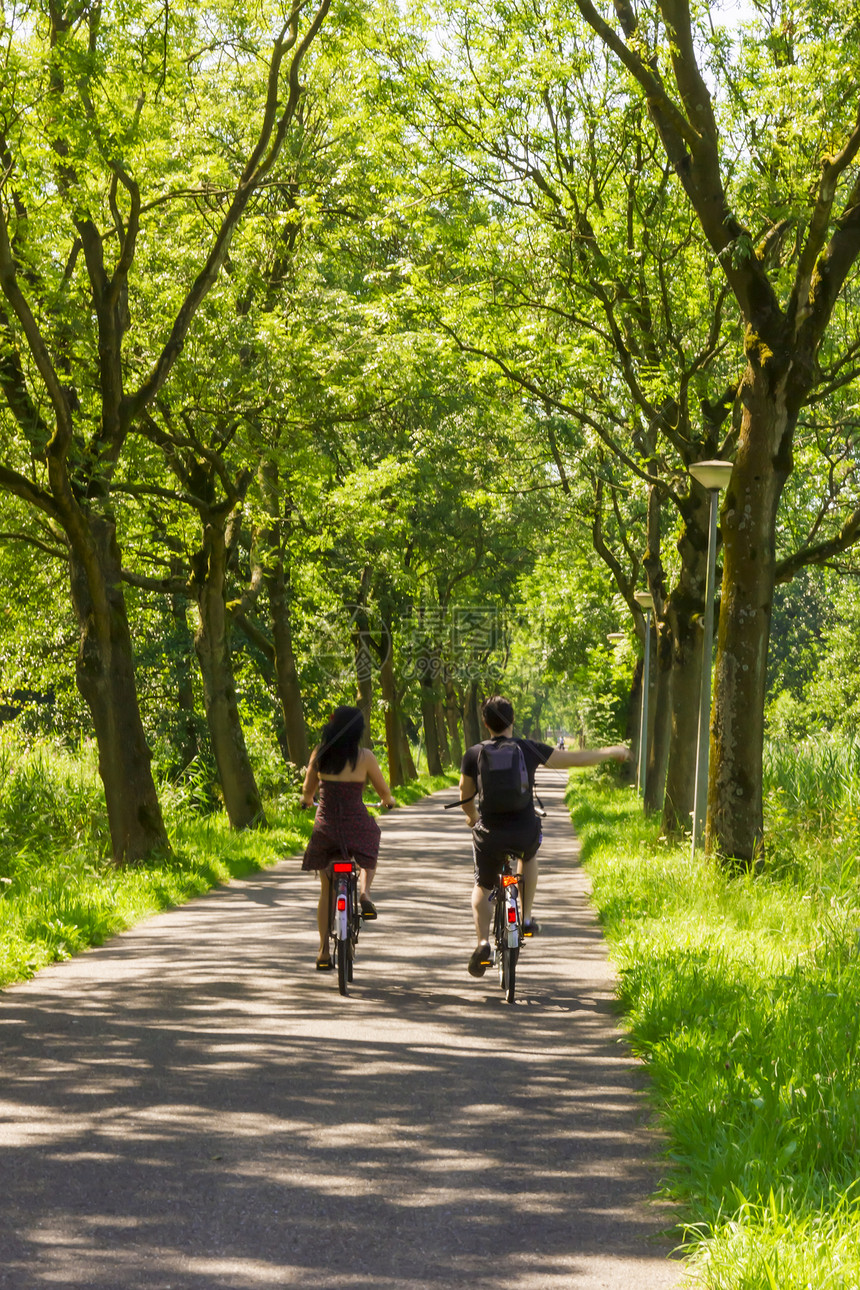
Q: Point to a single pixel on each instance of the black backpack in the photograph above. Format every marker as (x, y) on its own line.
(503, 780)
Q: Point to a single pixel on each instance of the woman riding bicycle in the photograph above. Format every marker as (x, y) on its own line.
(339, 768)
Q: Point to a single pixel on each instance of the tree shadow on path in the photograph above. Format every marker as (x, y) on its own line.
(192, 1106)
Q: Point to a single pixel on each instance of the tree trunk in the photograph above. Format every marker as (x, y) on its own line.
(442, 734)
(471, 718)
(188, 748)
(681, 771)
(106, 680)
(452, 717)
(431, 736)
(409, 768)
(393, 726)
(286, 672)
(660, 721)
(363, 671)
(684, 615)
(633, 716)
(735, 822)
(241, 796)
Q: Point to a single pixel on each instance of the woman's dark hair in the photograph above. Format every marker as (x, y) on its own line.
(340, 741)
(498, 714)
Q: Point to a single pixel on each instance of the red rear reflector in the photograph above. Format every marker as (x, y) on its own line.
(512, 915)
(508, 880)
(341, 904)
(342, 868)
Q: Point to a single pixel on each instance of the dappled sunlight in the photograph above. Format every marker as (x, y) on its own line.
(207, 1110)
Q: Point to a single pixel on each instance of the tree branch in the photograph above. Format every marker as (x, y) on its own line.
(820, 552)
(261, 160)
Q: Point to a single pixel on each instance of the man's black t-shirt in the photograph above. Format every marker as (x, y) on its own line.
(534, 755)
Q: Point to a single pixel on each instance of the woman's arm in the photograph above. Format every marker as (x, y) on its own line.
(565, 758)
(377, 779)
(312, 781)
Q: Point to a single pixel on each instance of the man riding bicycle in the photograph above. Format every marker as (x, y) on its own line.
(496, 794)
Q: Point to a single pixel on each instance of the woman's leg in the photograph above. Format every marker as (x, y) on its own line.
(368, 909)
(324, 911)
(365, 878)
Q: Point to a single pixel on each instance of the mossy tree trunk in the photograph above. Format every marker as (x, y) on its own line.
(735, 826)
(242, 799)
(394, 736)
(106, 680)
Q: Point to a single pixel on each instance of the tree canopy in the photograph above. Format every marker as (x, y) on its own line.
(364, 357)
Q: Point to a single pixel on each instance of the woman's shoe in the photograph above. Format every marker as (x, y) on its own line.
(324, 963)
(368, 909)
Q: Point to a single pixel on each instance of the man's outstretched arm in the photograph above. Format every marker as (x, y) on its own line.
(567, 758)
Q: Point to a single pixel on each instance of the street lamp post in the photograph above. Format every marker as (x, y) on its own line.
(713, 475)
(645, 601)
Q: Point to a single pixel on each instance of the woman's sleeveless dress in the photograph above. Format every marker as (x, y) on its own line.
(343, 827)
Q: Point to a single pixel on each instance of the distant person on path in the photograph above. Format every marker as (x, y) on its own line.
(496, 831)
(339, 768)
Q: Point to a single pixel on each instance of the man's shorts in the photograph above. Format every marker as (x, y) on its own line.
(490, 846)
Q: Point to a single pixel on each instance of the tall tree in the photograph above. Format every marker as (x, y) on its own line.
(108, 90)
(786, 86)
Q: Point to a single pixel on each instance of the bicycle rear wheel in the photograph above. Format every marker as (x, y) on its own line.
(344, 967)
(508, 971)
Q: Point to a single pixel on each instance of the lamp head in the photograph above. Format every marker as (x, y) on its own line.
(712, 475)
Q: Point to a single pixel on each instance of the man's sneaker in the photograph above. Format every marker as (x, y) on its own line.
(482, 958)
(531, 927)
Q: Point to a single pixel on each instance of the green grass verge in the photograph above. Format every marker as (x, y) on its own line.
(59, 891)
(742, 996)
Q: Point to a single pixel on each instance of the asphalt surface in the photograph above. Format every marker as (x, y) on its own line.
(193, 1107)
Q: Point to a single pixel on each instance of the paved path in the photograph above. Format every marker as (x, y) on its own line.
(193, 1107)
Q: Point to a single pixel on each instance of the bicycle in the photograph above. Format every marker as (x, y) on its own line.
(345, 918)
(507, 926)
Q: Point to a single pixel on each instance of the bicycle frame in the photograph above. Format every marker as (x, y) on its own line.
(510, 886)
(507, 927)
